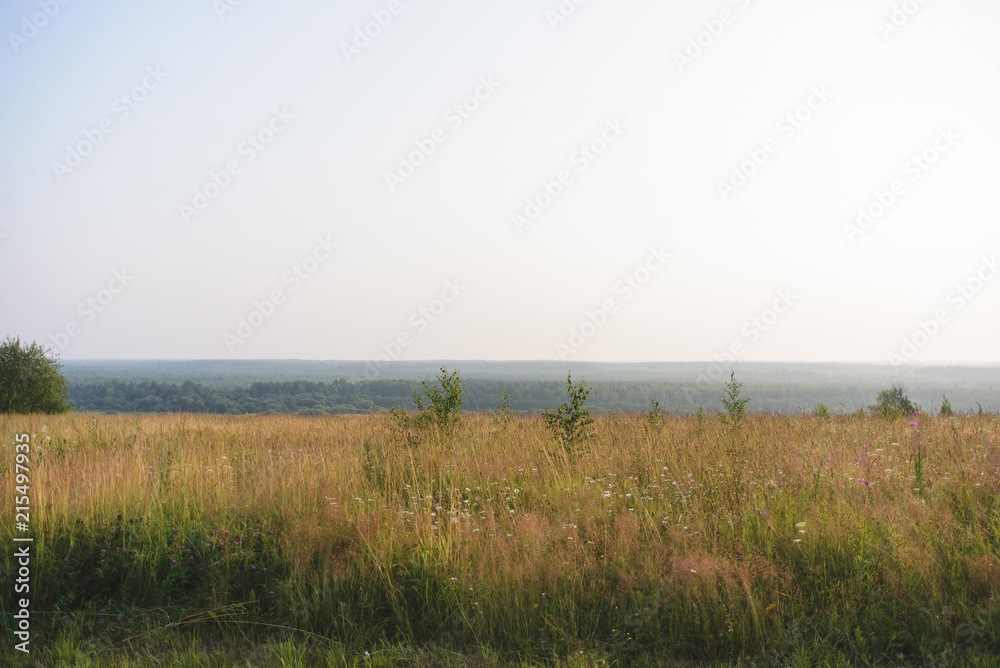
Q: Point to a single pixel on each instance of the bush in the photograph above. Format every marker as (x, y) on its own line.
(946, 406)
(571, 423)
(30, 381)
(892, 402)
(503, 414)
(655, 415)
(443, 408)
(734, 401)
(822, 411)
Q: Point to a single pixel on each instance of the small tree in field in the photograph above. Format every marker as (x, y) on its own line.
(654, 418)
(734, 401)
(892, 402)
(443, 407)
(503, 414)
(946, 406)
(30, 381)
(734, 493)
(571, 423)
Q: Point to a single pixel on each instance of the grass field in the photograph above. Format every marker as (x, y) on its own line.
(215, 541)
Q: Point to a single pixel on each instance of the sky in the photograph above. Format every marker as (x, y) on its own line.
(741, 180)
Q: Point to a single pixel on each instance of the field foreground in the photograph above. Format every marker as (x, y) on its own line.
(274, 540)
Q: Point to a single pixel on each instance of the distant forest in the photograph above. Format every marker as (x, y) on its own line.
(243, 387)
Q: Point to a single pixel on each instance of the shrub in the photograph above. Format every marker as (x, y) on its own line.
(734, 401)
(503, 414)
(571, 423)
(443, 407)
(822, 411)
(655, 415)
(946, 406)
(892, 402)
(402, 427)
(30, 381)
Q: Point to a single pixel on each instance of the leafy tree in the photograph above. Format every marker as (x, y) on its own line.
(30, 381)
(822, 411)
(503, 414)
(654, 417)
(734, 401)
(571, 423)
(892, 402)
(946, 406)
(443, 407)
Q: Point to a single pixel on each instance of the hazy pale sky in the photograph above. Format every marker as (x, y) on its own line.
(579, 180)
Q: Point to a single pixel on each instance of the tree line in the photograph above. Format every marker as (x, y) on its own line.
(30, 381)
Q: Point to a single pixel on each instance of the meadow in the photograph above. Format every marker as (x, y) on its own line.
(661, 540)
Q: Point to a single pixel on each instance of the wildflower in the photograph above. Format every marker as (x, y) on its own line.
(912, 423)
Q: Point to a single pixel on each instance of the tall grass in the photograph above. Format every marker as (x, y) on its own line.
(787, 539)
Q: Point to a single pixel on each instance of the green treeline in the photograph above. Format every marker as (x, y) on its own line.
(342, 396)
(365, 396)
